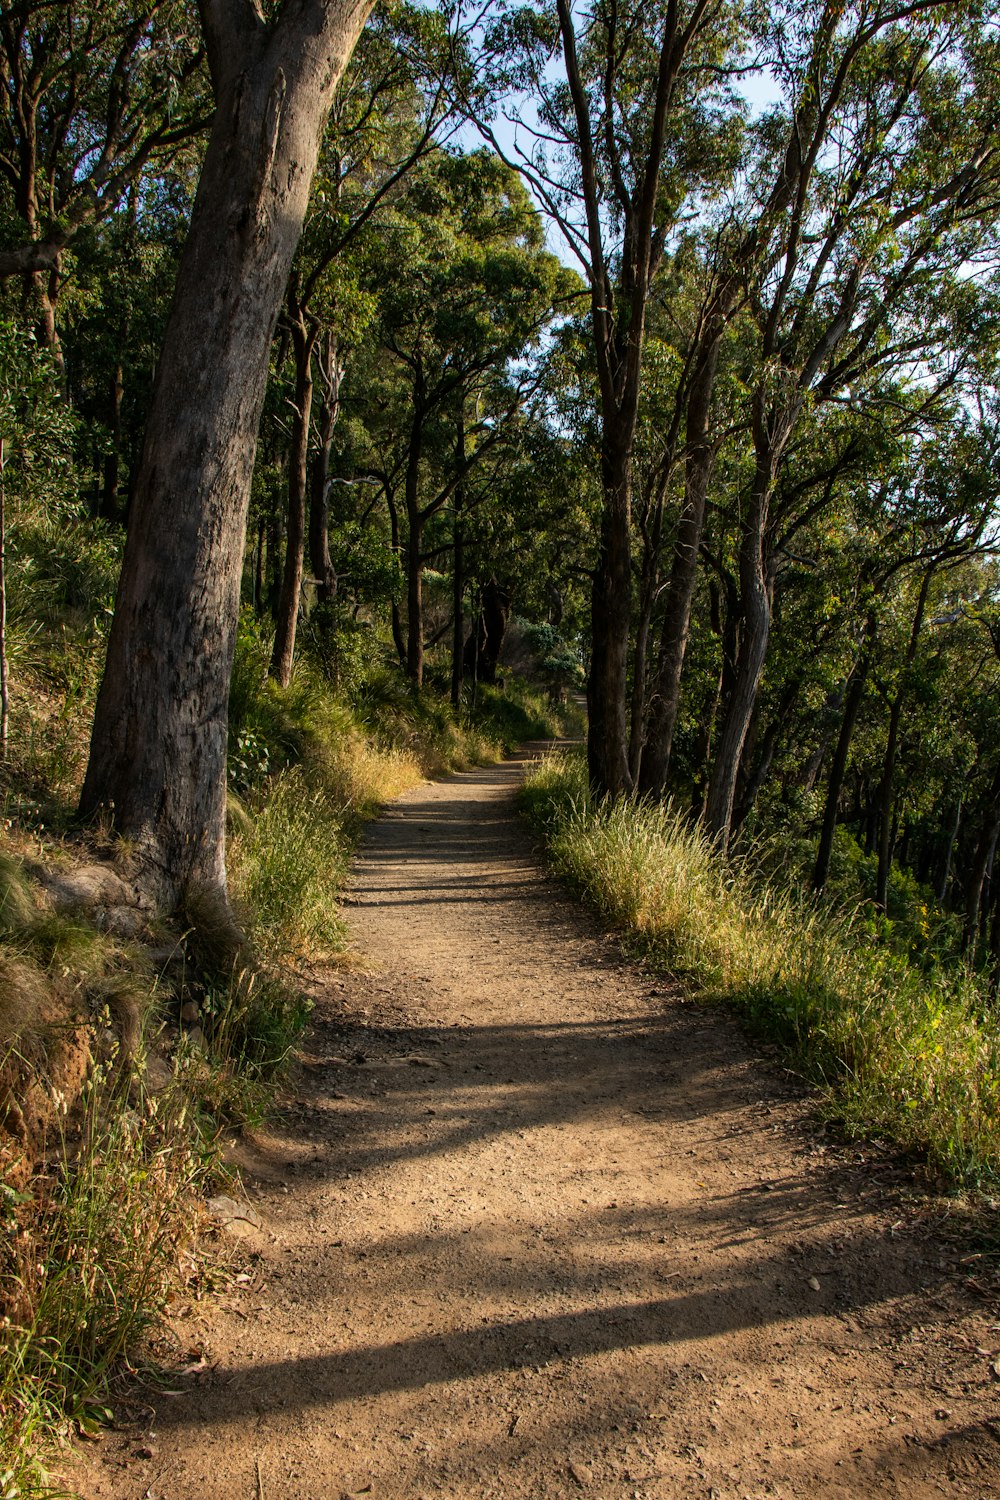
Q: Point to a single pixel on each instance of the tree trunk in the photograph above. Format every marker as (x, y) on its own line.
(44, 294)
(331, 373)
(290, 597)
(458, 574)
(985, 847)
(885, 840)
(158, 751)
(683, 579)
(756, 606)
(852, 705)
(611, 612)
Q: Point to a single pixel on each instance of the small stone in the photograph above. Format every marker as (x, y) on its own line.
(581, 1474)
(228, 1212)
(943, 1413)
(813, 1284)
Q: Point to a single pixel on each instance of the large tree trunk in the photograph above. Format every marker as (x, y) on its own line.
(158, 752)
(290, 597)
(611, 611)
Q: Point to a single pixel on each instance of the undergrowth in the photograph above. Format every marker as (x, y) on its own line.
(904, 1054)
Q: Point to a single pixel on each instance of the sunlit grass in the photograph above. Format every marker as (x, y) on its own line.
(905, 1054)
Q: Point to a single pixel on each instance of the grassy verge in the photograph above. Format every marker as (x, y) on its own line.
(904, 1054)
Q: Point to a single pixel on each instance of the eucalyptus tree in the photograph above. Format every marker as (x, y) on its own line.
(96, 96)
(635, 126)
(469, 293)
(158, 749)
(865, 272)
(385, 117)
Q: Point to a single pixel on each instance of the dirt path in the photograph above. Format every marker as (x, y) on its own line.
(533, 1226)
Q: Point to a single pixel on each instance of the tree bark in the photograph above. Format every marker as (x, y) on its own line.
(885, 840)
(290, 597)
(852, 706)
(755, 598)
(158, 751)
(458, 572)
(331, 372)
(683, 579)
(610, 612)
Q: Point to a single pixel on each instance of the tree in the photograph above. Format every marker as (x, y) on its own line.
(471, 291)
(385, 118)
(863, 270)
(97, 96)
(158, 749)
(622, 143)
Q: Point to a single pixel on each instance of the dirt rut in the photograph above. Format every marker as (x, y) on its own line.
(535, 1226)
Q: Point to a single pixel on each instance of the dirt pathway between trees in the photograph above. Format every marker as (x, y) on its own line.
(533, 1226)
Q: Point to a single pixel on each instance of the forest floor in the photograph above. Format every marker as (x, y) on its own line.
(532, 1224)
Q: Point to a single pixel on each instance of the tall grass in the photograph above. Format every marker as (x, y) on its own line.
(904, 1054)
(90, 1247)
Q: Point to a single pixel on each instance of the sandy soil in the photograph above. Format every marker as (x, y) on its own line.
(535, 1226)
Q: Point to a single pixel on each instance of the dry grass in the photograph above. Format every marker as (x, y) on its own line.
(904, 1053)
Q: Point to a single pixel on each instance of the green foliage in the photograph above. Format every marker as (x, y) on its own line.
(36, 425)
(515, 713)
(905, 1053)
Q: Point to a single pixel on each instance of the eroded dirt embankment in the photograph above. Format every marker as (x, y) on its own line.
(534, 1226)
